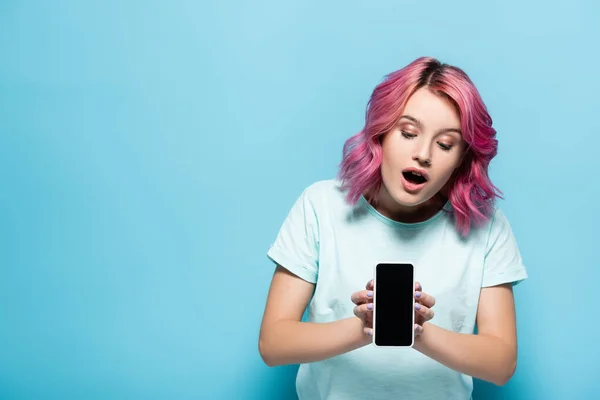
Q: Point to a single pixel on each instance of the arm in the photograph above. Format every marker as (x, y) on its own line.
(491, 355)
(284, 339)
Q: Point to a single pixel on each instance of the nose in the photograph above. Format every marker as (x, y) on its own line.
(422, 153)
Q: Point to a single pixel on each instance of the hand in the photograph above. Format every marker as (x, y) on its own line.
(423, 311)
(364, 307)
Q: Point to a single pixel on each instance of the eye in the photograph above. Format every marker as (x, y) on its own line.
(408, 135)
(445, 147)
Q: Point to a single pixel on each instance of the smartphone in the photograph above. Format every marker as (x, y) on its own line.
(394, 305)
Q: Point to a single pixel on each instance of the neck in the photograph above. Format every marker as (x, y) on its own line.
(390, 208)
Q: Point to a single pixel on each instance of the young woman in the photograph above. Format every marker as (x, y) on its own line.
(413, 185)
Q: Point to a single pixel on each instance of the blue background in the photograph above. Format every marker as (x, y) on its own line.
(149, 153)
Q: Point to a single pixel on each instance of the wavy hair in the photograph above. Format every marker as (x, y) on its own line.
(470, 190)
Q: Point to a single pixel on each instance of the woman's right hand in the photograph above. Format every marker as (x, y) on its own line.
(364, 307)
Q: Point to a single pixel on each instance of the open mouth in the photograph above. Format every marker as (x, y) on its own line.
(414, 177)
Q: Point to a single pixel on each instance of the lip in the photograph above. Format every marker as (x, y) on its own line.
(422, 172)
(413, 187)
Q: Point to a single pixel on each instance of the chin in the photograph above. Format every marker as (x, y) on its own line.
(406, 199)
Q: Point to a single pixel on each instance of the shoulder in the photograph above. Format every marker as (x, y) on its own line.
(497, 221)
(325, 187)
(326, 201)
(324, 192)
(483, 232)
(497, 229)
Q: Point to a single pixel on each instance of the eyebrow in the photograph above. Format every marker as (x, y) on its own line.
(420, 125)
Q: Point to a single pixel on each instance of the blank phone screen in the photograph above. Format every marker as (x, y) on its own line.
(394, 304)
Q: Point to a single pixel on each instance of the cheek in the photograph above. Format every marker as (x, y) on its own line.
(395, 154)
(444, 174)
(391, 167)
(387, 169)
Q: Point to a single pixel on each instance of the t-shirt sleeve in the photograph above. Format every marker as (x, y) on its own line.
(296, 246)
(502, 262)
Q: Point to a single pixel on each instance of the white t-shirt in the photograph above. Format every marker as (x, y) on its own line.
(326, 241)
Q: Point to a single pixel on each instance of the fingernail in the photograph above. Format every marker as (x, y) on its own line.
(370, 306)
(371, 332)
(370, 293)
(418, 294)
(418, 306)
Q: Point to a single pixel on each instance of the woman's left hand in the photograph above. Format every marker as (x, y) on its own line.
(423, 304)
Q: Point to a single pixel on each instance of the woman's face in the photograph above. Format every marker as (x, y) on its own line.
(426, 141)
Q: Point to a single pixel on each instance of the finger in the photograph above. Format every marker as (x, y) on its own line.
(361, 297)
(424, 298)
(362, 310)
(426, 312)
(368, 331)
(418, 286)
(370, 285)
(418, 329)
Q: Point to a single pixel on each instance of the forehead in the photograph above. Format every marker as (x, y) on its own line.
(434, 111)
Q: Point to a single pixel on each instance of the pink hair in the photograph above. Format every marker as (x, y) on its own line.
(471, 191)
